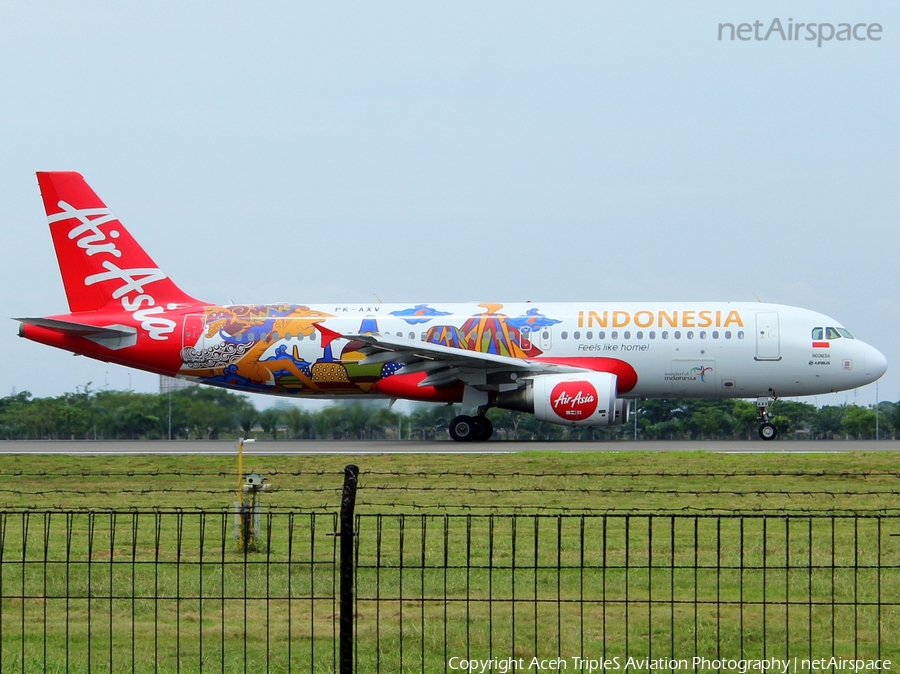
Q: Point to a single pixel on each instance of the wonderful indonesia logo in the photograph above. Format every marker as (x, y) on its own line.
(790, 31)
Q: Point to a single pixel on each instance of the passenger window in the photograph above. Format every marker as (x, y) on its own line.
(275, 335)
(614, 335)
(589, 335)
(564, 334)
(740, 334)
(728, 334)
(652, 334)
(639, 334)
(665, 334)
(817, 333)
(678, 334)
(312, 337)
(412, 335)
(715, 334)
(627, 335)
(831, 333)
(300, 337)
(703, 334)
(576, 335)
(690, 334)
(601, 335)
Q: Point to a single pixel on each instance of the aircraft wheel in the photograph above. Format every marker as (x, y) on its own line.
(485, 428)
(464, 428)
(768, 432)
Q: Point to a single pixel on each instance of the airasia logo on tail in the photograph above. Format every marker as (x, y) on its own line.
(132, 292)
(574, 400)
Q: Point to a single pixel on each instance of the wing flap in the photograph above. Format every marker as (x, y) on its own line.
(445, 365)
(429, 351)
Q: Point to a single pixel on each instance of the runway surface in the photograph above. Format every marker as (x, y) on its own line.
(300, 447)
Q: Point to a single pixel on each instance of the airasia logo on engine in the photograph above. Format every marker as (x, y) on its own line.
(574, 400)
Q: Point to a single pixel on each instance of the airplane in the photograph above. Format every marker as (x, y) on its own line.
(568, 363)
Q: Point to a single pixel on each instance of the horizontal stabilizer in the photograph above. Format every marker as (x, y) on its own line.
(110, 336)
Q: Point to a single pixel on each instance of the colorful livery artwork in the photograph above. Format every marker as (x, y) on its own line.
(277, 349)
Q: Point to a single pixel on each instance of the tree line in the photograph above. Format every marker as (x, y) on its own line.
(207, 413)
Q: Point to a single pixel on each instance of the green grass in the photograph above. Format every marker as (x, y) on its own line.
(500, 544)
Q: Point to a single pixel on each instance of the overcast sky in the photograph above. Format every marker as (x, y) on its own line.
(456, 151)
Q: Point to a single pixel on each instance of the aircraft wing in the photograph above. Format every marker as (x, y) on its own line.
(446, 365)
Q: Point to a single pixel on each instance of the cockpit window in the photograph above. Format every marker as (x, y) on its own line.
(817, 333)
(845, 332)
(831, 333)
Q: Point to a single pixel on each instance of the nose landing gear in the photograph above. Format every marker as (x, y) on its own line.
(767, 430)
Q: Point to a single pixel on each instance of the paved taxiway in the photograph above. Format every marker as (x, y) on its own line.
(76, 448)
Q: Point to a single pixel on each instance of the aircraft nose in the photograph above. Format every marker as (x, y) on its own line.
(876, 364)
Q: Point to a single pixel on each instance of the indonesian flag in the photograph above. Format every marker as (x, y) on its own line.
(821, 345)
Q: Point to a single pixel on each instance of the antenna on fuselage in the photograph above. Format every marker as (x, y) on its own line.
(757, 298)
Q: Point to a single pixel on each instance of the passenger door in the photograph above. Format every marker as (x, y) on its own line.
(768, 341)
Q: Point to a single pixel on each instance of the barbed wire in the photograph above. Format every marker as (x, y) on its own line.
(150, 490)
(465, 474)
(641, 473)
(630, 490)
(499, 510)
(159, 473)
(448, 486)
(895, 512)
(126, 510)
(465, 490)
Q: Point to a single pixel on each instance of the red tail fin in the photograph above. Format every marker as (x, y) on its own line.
(102, 266)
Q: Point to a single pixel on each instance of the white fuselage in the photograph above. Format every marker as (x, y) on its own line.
(677, 349)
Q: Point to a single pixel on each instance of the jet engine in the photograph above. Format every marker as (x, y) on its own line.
(582, 399)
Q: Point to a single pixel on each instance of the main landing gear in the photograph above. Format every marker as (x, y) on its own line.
(767, 430)
(474, 426)
(465, 428)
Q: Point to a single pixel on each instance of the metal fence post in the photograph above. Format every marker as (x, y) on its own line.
(348, 503)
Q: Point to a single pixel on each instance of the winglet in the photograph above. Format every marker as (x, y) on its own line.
(328, 335)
